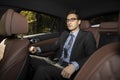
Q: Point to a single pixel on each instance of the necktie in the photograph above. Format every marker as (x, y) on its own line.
(67, 46)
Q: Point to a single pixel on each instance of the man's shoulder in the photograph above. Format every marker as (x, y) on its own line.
(85, 32)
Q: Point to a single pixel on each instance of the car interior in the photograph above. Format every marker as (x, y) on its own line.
(103, 64)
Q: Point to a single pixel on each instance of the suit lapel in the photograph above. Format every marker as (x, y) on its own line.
(63, 39)
(78, 39)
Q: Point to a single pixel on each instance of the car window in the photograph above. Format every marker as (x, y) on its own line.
(95, 21)
(40, 23)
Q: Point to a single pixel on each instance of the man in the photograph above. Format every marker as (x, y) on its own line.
(75, 47)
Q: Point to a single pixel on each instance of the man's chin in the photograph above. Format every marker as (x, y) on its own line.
(70, 28)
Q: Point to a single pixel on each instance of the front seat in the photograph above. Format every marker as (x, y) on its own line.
(104, 64)
(13, 64)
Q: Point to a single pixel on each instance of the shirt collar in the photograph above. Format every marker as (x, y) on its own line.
(75, 33)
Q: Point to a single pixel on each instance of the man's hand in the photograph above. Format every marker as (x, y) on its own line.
(32, 49)
(68, 71)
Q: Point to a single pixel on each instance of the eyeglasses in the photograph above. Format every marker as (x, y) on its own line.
(71, 20)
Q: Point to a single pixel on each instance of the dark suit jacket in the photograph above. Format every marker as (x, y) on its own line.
(83, 47)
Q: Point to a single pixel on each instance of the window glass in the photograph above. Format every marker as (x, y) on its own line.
(40, 22)
(95, 21)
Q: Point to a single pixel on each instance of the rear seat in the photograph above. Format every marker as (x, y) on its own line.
(85, 25)
(108, 33)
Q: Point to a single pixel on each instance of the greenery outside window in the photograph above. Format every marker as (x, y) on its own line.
(40, 23)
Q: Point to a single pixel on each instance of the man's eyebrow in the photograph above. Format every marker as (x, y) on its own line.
(72, 18)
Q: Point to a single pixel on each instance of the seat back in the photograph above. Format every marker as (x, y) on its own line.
(16, 51)
(108, 33)
(85, 25)
(104, 64)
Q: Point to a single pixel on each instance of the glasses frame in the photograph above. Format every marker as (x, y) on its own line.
(71, 20)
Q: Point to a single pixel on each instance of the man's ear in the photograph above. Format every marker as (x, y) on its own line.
(79, 22)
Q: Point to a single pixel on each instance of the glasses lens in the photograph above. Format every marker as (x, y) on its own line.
(71, 20)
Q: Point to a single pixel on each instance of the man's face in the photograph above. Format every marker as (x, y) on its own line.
(72, 22)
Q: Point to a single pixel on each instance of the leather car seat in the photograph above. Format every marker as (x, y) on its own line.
(85, 25)
(13, 64)
(104, 64)
(109, 32)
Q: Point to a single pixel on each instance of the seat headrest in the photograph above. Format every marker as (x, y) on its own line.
(13, 23)
(85, 24)
(109, 26)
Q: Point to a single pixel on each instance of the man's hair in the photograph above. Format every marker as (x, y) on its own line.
(74, 12)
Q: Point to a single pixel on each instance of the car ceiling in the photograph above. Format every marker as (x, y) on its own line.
(87, 8)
